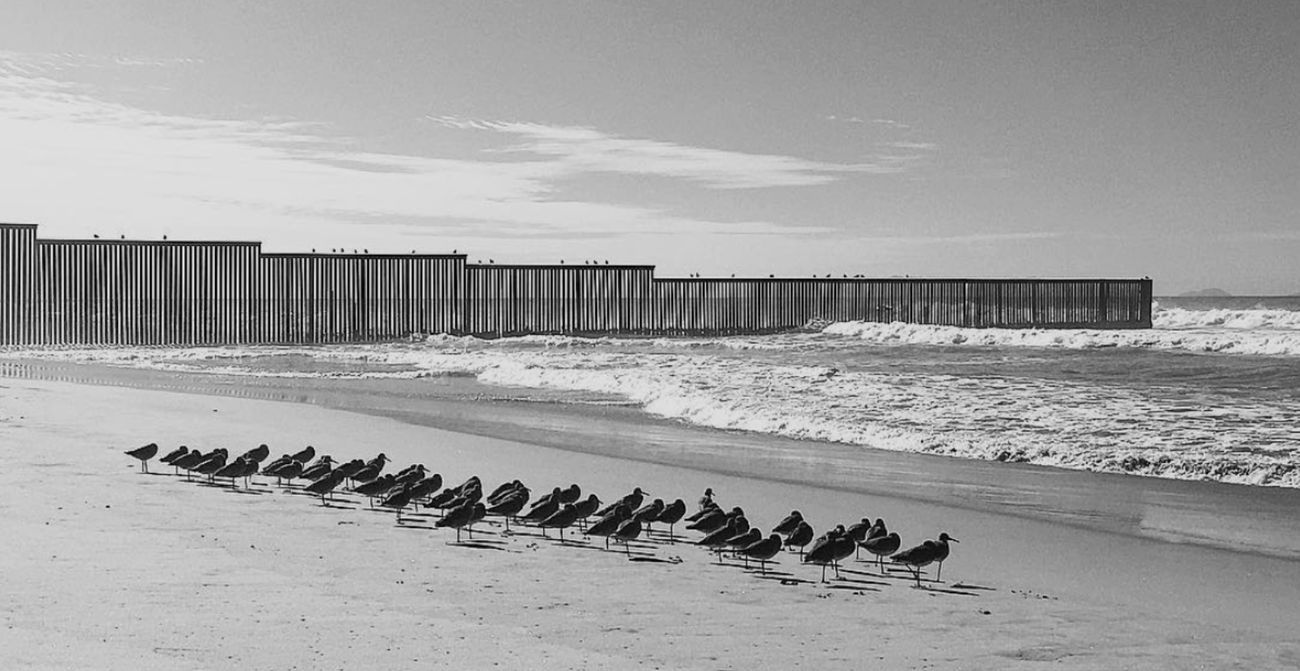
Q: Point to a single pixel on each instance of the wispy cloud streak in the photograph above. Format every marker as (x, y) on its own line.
(72, 156)
(589, 150)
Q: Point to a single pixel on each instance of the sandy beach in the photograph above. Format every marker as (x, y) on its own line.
(106, 568)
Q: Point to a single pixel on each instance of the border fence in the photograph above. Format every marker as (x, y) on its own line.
(137, 292)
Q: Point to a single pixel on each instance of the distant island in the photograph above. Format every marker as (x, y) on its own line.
(1205, 293)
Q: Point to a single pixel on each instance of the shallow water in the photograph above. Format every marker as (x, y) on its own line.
(1212, 393)
(1237, 518)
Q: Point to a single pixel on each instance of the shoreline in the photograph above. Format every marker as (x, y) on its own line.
(694, 606)
(1034, 492)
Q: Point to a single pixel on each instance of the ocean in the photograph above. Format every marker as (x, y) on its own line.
(1212, 392)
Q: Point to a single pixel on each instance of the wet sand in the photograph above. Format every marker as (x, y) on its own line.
(1056, 584)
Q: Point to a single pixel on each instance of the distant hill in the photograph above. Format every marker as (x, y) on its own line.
(1205, 293)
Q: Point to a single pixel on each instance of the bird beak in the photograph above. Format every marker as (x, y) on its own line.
(954, 540)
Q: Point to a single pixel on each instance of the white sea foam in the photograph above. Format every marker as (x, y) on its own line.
(1180, 332)
(1252, 319)
(793, 385)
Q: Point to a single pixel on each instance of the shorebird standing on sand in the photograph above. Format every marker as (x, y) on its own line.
(787, 526)
(672, 514)
(762, 550)
(800, 537)
(627, 532)
(509, 506)
(882, 546)
(326, 484)
(607, 525)
(144, 453)
(920, 556)
(561, 519)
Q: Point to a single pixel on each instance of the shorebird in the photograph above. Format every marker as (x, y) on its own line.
(920, 556)
(509, 506)
(586, 508)
(882, 546)
(398, 500)
(233, 470)
(276, 464)
(288, 471)
(376, 487)
(211, 465)
(258, 454)
(829, 549)
(371, 470)
(858, 531)
(648, 513)
(442, 500)
(878, 529)
(144, 453)
(542, 509)
(351, 468)
(717, 539)
(503, 490)
(571, 494)
(763, 550)
(706, 500)
(801, 536)
(174, 455)
(941, 553)
(470, 483)
(716, 520)
(326, 484)
(707, 510)
(426, 487)
(564, 517)
(189, 461)
(787, 525)
(462, 517)
(608, 524)
(672, 514)
(305, 455)
(318, 470)
(743, 540)
(410, 474)
(469, 495)
(627, 532)
(632, 501)
(551, 497)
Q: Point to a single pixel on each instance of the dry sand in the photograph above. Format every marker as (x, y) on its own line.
(102, 567)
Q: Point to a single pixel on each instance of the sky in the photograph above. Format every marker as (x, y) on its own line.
(970, 138)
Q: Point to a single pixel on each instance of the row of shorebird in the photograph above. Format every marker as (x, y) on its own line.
(623, 520)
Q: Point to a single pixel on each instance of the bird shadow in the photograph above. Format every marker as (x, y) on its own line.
(785, 579)
(654, 560)
(868, 575)
(408, 525)
(943, 590)
(858, 582)
(479, 545)
(962, 585)
(856, 587)
(338, 505)
(244, 492)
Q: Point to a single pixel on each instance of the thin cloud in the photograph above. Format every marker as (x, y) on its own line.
(140, 171)
(587, 150)
(972, 238)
